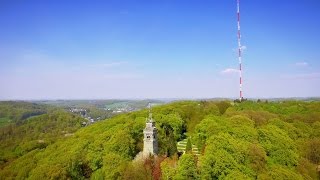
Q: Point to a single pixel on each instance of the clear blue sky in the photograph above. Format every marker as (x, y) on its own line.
(75, 49)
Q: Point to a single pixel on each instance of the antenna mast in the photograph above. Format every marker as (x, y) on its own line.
(239, 50)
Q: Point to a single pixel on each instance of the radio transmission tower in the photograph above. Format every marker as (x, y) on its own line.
(239, 50)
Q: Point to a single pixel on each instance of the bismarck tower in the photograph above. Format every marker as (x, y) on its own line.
(150, 145)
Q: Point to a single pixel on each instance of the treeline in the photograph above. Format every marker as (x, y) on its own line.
(249, 140)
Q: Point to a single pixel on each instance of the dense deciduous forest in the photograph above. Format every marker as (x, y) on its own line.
(248, 140)
(33, 127)
(16, 112)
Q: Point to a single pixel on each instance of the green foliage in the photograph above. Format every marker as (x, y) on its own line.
(257, 158)
(97, 175)
(4, 121)
(279, 146)
(187, 168)
(307, 169)
(19, 111)
(236, 175)
(316, 129)
(189, 146)
(260, 117)
(21, 168)
(113, 165)
(223, 106)
(136, 170)
(293, 132)
(36, 133)
(210, 108)
(168, 168)
(209, 126)
(238, 126)
(247, 140)
(121, 143)
(173, 121)
(167, 141)
(225, 154)
(280, 172)
(217, 165)
(243, 128)
(311, 150)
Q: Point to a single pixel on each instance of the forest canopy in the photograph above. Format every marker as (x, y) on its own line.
(248, 140)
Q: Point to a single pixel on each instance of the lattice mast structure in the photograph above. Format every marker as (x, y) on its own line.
(239, 50)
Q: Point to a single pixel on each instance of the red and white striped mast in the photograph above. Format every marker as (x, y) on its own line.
(239, 50)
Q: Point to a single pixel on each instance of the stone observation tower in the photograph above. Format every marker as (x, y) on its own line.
(150, 145)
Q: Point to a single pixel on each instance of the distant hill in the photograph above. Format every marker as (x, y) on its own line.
(18, 111)
(249, 140)
(33, 126)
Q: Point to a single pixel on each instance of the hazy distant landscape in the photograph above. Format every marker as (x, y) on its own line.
(92, 110)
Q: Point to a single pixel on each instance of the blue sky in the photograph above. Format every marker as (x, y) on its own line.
(158, 49)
